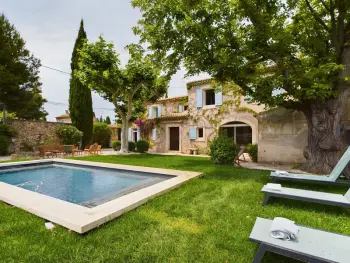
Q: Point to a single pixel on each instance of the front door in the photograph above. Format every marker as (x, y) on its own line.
(174, 139)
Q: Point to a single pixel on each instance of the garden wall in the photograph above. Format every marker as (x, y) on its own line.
(33, 132)
(282, 136)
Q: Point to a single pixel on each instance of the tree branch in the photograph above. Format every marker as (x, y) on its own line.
(317, 18)
(325, 5)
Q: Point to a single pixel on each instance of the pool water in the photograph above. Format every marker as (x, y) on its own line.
(79, 185)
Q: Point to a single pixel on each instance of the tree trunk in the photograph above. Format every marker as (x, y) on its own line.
(324, 140)
(124, 139)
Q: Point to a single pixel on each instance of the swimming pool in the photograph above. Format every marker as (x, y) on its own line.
(78, 184)
(81, 195)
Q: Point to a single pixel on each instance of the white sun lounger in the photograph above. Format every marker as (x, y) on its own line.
(313, 245)
(308, 196)
(331, 179)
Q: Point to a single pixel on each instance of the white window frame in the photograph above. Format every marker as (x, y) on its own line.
(134, 131)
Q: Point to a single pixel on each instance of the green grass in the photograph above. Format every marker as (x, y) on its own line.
(208, 219)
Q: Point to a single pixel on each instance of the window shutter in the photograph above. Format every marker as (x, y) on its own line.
(180, 107)
(130, 134)
(199, 98)
(150, 112)
(193, 133)
(138, 134)
(218, 97)
(159, 110)
(154, 134)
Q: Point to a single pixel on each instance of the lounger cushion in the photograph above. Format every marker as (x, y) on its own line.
(311, 242)
(302, 176)
(320, 197)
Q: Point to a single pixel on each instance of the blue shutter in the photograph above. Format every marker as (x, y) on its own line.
(218, 97)
(159, 110)
(154, 134)
(180, 107)
(130, 134)
(199, 98)
(138, 134)
(193, 133)
(150, 112)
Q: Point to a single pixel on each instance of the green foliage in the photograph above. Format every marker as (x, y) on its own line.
(80, 101)
(129, 87)
(223, 149)
(69, 135)
(20, 87)
(108, 120)
(5, 143)
(142, 146)
(131, 146)
(7, 130)
(252, 150)
(101, 134)
(292, 57)
(116, 145)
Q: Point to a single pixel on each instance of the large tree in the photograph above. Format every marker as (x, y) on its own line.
(289, 53)
(129, 87)
(80, 101)
(20, 87)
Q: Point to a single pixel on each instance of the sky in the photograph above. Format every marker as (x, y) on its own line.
(50, 29)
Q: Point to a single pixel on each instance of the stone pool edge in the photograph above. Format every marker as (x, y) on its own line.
(82, 219)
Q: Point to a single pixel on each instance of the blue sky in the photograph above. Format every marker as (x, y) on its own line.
(50, 29)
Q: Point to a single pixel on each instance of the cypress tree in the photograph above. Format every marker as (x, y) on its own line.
(108, 120)
(80, 101)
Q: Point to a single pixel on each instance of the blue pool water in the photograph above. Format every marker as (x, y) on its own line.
(79, 185)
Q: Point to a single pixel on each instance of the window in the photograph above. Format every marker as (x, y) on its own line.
(185, 107)
(210, 97)
(200, 133)
(119, 134)
(134, 135)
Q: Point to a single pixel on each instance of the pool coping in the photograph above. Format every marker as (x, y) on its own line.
(82, 219)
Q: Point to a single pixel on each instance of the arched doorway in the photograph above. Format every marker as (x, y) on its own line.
(240, 132)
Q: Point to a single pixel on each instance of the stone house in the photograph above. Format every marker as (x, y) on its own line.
(65, 118)
(185, 123)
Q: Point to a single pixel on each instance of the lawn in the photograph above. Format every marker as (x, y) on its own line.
(208, 219)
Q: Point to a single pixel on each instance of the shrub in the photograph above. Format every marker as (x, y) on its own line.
(252, 150)
(101, 134)
(223, 149)
(116, 145)
(131, 146)
(142, 146)
(5, 143)
(69, 135)
(7, 130)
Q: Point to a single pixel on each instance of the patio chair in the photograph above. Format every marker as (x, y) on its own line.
(76, 150)
(98, 149)
(312, 245)
(308, 196)
(237, 159)
(331, 179)
(91, 149)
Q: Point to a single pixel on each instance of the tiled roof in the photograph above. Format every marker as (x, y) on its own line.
(175, 115)
(173, 98)
(198, 83)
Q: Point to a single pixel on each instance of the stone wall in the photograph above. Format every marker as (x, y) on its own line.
(33, 132)
(282, 136)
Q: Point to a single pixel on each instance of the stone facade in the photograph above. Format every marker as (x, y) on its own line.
(282, 136)
(185, 114)
(33, 133)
